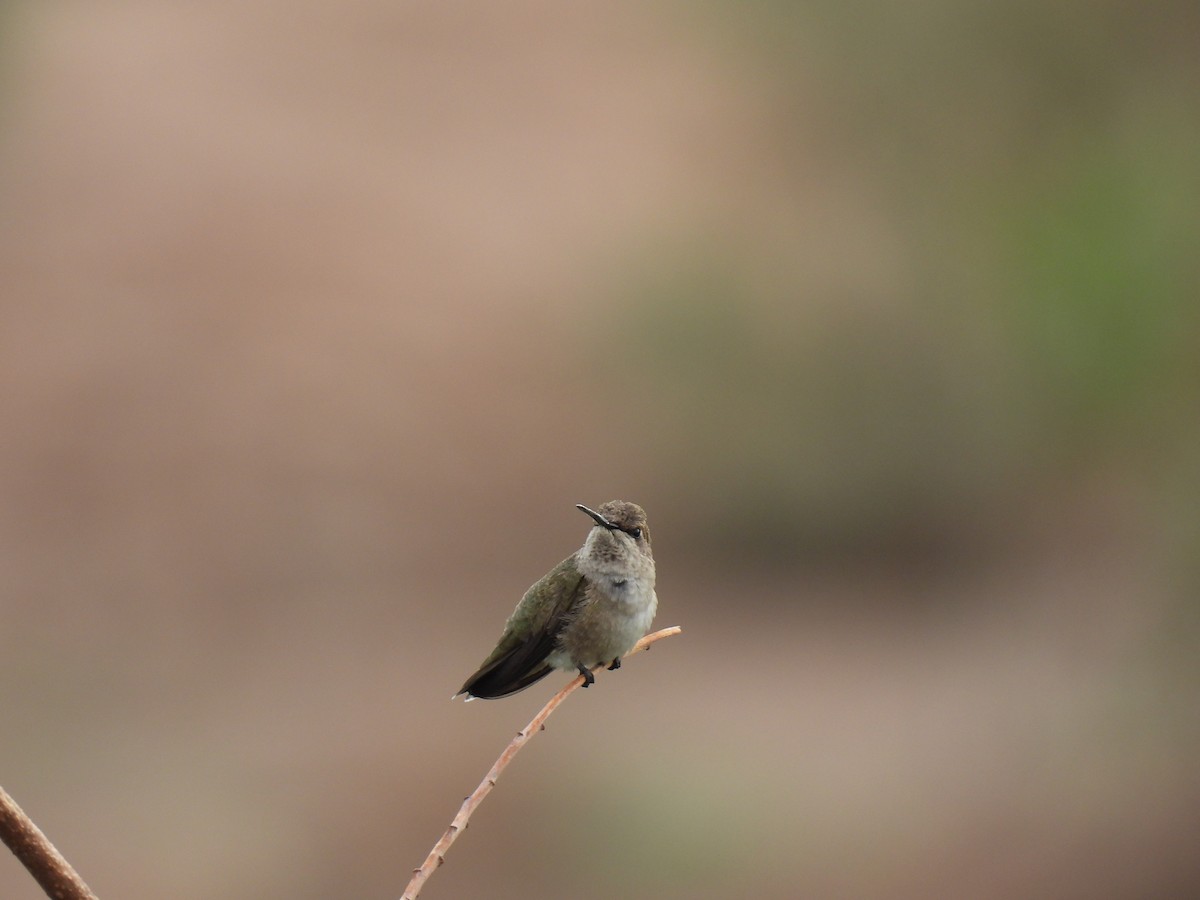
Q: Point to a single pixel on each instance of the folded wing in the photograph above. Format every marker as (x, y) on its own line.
(529, 636)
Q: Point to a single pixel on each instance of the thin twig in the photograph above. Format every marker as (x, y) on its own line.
(459, 824)
(38, 855)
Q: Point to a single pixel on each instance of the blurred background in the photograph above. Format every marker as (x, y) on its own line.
(317, 319)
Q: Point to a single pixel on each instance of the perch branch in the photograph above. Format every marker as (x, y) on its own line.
(459, 824)
(38, 855)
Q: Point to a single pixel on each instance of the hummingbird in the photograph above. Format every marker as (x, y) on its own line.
(587, 611)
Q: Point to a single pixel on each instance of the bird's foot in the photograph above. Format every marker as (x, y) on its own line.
(616, 664)
(588, 677)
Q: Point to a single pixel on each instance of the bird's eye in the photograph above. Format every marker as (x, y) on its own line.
(635, 533)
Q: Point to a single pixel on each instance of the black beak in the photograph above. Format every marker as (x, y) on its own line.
(600, 520)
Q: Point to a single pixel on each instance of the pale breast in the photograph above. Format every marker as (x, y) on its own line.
(607, 625)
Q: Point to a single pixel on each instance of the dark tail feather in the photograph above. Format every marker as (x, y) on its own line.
(512, 671)
(497, 683)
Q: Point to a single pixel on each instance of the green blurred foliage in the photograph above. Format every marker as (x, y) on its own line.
(1034, 165)
(1103, 282)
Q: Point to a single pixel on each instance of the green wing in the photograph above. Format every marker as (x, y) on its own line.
(529, 635)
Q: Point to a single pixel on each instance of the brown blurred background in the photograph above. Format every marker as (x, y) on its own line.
(316, 320)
